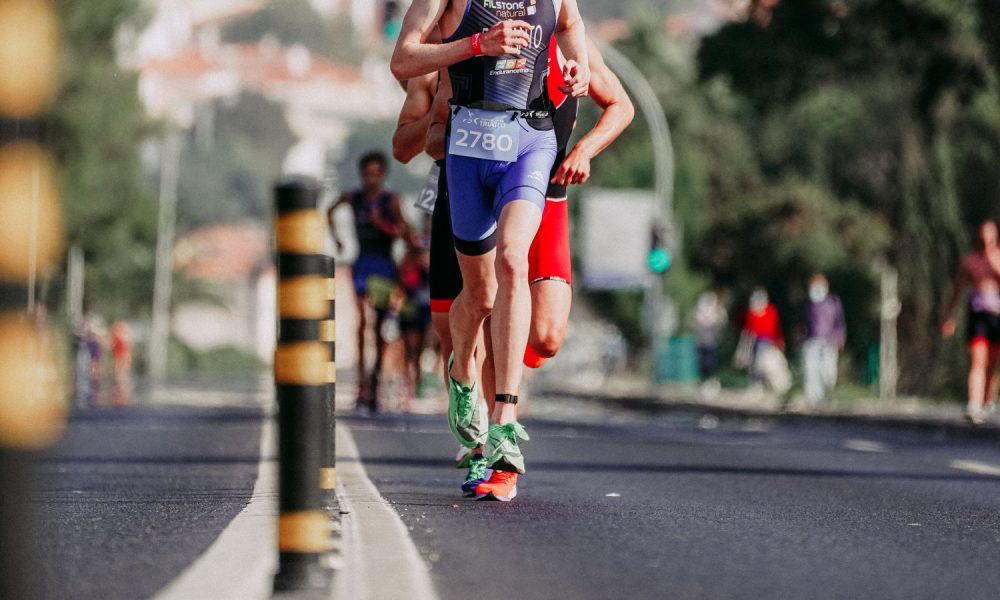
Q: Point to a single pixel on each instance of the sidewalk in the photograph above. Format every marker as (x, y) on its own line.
(904, 413)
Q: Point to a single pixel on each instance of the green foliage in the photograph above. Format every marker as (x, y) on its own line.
(229, 177)
(94, 129)
(841, 133)
(365, 137)
(296, 22)
(884, 109)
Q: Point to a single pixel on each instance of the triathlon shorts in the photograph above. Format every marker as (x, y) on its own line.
(479, 189)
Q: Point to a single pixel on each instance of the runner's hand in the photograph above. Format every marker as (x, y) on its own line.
(574, 170)
(948, 328)
(506, 37)
(577, 79)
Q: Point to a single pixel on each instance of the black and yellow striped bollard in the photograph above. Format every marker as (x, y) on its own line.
(303, 372)
(32, 392)
(328, 471)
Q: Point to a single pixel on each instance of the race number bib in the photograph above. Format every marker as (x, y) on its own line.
(486, 134)
(429, 193)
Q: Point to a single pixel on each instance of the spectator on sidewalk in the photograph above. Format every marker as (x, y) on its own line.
(826, 333)
(762, 332)
(707, 321)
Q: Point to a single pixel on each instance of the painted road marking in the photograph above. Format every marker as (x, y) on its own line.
(975, 466)
(865, 446)
(240, 564)
(380, 560)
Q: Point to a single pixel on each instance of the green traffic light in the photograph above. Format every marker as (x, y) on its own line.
(659, 260)
(392, 29)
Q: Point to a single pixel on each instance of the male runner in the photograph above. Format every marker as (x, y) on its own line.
(981, 272)
(378, 222)
(501, 148)
(549, 263)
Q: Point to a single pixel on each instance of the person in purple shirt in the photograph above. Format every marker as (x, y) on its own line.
(826, 333)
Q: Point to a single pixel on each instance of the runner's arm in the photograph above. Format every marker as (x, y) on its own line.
(416, 55)
(395, 225)
(414, 119)
(439, 118)
(571, 35)
(948, 325)
(618, 112)
(343, 199)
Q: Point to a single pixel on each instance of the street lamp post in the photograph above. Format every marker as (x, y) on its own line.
(646, 100)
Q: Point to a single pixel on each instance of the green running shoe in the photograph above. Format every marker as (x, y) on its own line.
(479, 472)
(466, 418)
(506, 455)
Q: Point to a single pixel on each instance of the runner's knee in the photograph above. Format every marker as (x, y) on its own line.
(479, 300)
(512, 265)
(547, 337)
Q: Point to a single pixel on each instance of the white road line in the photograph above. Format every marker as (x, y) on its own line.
(865, 446)
(380, 561)
(975, 466)
(240, 564)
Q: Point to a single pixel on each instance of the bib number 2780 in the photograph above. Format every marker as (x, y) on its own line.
(485, 134)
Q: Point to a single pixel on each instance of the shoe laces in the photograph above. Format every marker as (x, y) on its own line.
(465, 404)
(477, 469)
(505, 433)
(511, 431)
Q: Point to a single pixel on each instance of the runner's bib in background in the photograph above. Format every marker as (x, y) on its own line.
(429, 193)
(485, 134)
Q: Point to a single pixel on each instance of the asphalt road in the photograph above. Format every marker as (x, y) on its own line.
(685, 507)
(131, 497)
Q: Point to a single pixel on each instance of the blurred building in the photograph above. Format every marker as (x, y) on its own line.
(185, 70)
(233, 301)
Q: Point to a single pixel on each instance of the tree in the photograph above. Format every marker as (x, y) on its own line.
(95, 128)
(891, 105)
(296, 22)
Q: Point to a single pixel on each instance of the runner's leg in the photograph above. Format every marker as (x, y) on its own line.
(470, 309)
(992, 381)
(362, 307)
(519, 221)
(551, 301)
(550, 274)
(979, 352)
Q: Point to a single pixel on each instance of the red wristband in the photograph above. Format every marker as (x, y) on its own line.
(477, 44)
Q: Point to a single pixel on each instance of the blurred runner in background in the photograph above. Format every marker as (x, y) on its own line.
(415, 313)
(980, 272)
(121, 350)
(378, 223)
(826, 333)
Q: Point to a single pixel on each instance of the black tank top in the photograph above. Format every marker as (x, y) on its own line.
(371, 239)
(513, 82)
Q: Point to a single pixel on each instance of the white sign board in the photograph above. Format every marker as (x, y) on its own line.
(615, 238)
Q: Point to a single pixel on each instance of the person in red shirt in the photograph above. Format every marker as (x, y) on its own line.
(762, 320)
(763, 326)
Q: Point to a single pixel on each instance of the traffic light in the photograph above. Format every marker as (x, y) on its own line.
(659, 258)
(391, 20)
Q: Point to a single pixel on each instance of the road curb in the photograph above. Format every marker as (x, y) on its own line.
(934, 425)
(379, 559)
